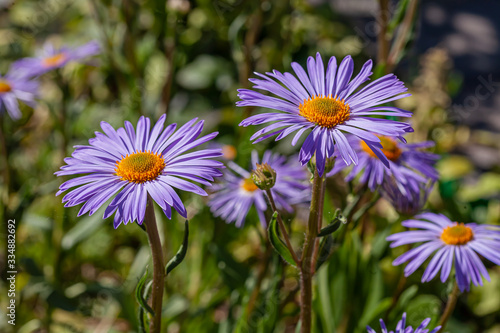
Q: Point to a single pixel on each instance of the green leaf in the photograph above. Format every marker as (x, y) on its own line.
(325, 250)
(142, 326)
(139, 296)
(337, 221)
(277, 243)
(325, 299)
(398, 16)
(177, 259)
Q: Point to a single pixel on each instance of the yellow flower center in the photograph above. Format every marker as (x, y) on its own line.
(459, 234)
(55, 60)
(248, 185)
(4, 86)
(140, 167)
(325, 111)
(390, 148)
(229, 152)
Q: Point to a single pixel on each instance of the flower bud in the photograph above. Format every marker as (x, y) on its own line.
(329, 163)
(264, 176)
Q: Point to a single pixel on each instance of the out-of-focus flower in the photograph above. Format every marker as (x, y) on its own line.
(49, 58)
(328, 106)
(409, 204)
(454, 242)
(401, 327)
(229, 152)
(237, 193)
(409, 167)
(137, 163)
(14, 89)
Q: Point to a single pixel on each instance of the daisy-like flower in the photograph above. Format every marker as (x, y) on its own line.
(409, 204)
(237, 193)
(329, 107)
(136, 163)
(408, 166)
(456, 243)
(49, 58)
(14, 89)
(401, 327)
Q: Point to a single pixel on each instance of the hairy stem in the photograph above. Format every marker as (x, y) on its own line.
(320, 224)
(305, 268)
(158, 265)
(450, 306)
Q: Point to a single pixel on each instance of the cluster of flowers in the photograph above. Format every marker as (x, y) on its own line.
(19, 84)
(344, 123)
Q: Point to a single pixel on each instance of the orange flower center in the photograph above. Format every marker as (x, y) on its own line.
(4, 86)
(140, 167)
(248, 185)
(325, 111)
(229, 152)
(390, 148)
(459, 234)
(54, 61)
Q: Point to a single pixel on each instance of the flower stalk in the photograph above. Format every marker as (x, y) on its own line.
(450, 306)
(307, 253)
(158, 266)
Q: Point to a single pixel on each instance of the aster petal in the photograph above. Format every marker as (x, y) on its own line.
(344, 74)
(304, 79)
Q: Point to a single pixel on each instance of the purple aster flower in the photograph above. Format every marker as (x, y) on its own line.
(237, 193)
(408, 166)
(454, 242)
(136, 163)
(401, 327)
(14, 89)
(49, 58)
(409, 203)
(328, 106)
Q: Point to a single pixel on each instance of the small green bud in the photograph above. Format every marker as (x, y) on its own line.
(264, 177)
(329, 163)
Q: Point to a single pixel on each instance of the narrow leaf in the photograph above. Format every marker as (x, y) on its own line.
(139, 293)
(337, 221)
(177, 259)
(325, 250)
(277, 243)
(142, 325)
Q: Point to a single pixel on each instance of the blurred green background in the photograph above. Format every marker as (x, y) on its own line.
(188, 59)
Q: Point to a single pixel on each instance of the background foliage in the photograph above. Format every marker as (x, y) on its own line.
(188, 59)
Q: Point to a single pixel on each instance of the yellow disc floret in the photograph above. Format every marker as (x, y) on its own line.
(325, 111)
(4, 86)
(458, 234)
(390, 148)
(140, 167)
(55, 60)
(248, 185)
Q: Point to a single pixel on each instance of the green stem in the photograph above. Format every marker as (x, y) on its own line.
(450, 306)
(306, 261)
(282, 227)
(158, 266)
